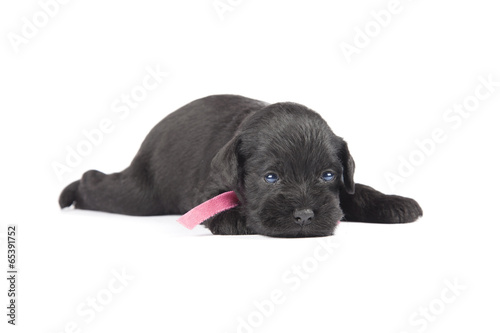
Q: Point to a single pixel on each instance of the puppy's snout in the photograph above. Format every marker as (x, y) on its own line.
(303, 216)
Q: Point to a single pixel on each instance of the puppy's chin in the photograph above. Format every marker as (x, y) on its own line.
(273, 228)
(303, 234)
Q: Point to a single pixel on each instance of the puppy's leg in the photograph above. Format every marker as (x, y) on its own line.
(230, 222)
(122, 193)
(369, 205)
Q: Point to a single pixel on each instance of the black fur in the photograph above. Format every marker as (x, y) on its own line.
(229, 143)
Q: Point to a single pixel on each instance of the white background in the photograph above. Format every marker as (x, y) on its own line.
(394, 91)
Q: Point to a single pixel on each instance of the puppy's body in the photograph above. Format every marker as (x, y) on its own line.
(231, 143)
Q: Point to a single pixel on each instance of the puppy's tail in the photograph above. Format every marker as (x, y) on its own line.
(68, 195)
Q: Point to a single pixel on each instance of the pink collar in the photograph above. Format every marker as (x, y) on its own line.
(209, 208)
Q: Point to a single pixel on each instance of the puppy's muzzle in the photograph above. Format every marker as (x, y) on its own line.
(303, 216)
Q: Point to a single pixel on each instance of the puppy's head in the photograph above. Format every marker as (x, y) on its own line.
(287, 167)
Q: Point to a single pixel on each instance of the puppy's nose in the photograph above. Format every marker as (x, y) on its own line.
(303, 216)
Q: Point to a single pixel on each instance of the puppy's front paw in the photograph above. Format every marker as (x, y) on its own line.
(397, 209)
(229, 229)
(228, 223)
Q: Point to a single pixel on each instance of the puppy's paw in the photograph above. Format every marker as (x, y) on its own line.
(397, 209)
(228, 223)
(228, 229)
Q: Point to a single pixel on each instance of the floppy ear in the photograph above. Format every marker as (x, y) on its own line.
(225, 166)
(348, 167)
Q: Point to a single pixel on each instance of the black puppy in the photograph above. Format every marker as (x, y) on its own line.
(292, 175)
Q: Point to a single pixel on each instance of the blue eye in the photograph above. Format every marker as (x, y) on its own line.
(271, 178)
(327, 176)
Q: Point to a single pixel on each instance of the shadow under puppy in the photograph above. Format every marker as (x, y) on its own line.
(291, 173)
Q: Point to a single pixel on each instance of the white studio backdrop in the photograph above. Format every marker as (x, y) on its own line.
(413, 87)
